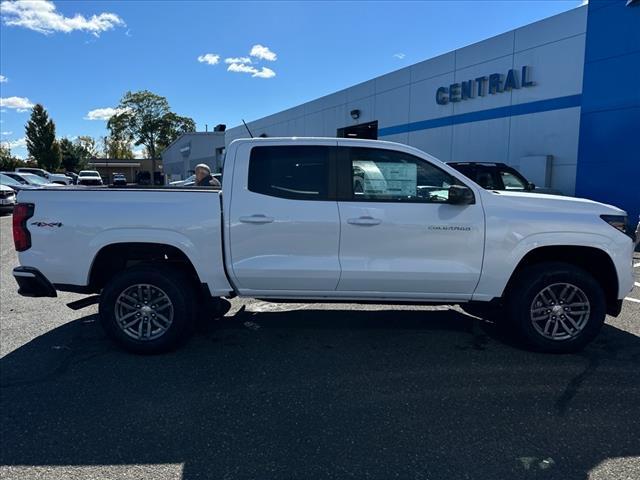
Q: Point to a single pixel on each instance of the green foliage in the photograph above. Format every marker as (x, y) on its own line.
(117, 148)
(87, 144)
(74, 155)
(8, 161)
(146, 119)
(41, 139)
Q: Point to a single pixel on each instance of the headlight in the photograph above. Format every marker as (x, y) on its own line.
(616, 221)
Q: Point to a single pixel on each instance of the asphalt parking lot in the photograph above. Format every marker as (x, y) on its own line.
(312, 391)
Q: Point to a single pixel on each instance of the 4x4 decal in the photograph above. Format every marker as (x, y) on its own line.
(46, 224)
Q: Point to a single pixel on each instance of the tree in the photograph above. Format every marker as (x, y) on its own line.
(74, 155)
(116, 148)
(146, 119)
(41, 139)
(7, 161)
(87, 144)
(174, 126)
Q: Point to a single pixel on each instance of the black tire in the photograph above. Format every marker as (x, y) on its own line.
(171, 282)
(533, 280)
(210, 309)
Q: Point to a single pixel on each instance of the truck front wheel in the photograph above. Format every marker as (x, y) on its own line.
(556, 307)
(148, 309)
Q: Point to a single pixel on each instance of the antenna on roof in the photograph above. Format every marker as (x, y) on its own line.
(245, 126)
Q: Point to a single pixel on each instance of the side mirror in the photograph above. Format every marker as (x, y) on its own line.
(531, 186)
(461, 195)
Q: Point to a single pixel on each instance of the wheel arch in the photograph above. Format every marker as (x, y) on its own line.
(593, 260)
(116, 257)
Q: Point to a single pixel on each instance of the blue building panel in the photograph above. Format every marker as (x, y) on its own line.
(614, 29)
(605, 90)
(609, 147)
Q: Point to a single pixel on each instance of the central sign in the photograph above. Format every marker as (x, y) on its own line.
(479, 87)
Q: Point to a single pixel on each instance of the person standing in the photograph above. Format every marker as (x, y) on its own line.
(204, 177)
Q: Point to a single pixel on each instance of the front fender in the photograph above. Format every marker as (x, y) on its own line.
(502, 258)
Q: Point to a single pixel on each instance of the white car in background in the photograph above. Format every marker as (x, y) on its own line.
(89, 177)
(51, 177)
(30, 179)
(191, 181)
(7, 198)
(187, 182)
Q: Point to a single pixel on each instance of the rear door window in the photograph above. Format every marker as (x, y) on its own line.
(298, 172)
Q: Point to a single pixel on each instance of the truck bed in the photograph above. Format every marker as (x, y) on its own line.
(87, 219)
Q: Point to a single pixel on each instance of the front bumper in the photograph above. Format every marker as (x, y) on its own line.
(32, 283)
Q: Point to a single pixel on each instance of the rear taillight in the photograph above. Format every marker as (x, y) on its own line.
(21, 236)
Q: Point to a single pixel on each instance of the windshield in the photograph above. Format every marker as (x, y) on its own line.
(511, 181)
(34, 179)
(5, 180)
(89, 173)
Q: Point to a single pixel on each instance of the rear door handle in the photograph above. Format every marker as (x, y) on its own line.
(366, 221)
(256, 219)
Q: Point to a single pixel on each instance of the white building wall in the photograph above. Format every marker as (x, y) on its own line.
(553, 49)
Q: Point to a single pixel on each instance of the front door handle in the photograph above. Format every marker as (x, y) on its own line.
(366, 221)
(256, 219)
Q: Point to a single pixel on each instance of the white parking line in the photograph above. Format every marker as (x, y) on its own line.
(632, 299)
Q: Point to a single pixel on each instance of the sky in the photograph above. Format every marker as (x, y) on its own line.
(220, 62)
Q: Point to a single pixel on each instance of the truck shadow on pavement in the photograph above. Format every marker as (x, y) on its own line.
(325, 394)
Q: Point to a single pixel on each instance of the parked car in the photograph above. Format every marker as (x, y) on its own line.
(7, 198)
(119, 180)
(89, 177)
(13, 183)
(52, 177)
(288, 225)
(499, 176)
(31, 179)
(187, 182)
(191, 181)
(73, 176)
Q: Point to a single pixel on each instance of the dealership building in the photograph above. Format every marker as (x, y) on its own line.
(180, 158)
(558, 99)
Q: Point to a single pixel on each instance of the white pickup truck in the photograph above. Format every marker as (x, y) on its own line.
(332, 220)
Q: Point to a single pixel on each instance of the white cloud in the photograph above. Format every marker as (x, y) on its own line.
(103, 113)
(241, 68)
(6, 133)
(264, 72)
(263, 53)
(3, 79)
(43, 17)
(21, 104)
(210, 58)
(139, 153)
(19, 143)
(399, 55)
(237, 60)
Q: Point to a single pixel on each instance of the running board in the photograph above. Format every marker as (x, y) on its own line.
(84, 302)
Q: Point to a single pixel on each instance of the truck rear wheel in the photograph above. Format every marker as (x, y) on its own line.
(556, 307)
(148, 309)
